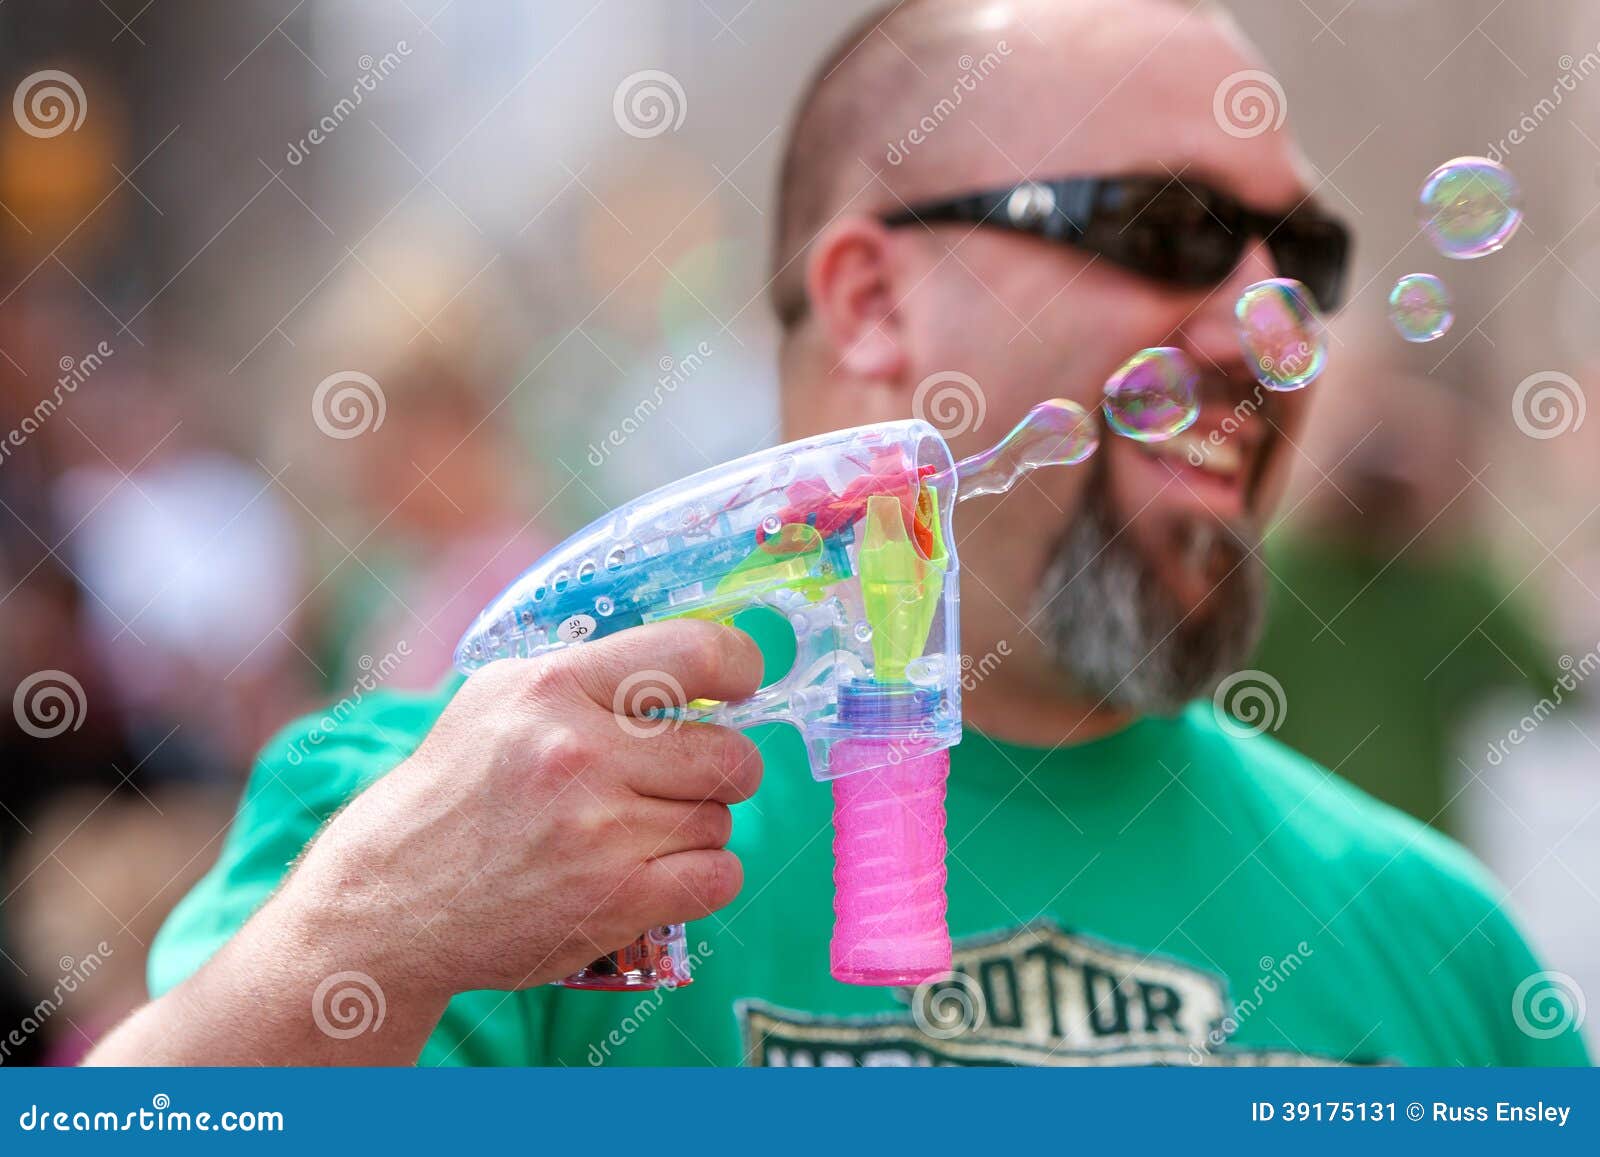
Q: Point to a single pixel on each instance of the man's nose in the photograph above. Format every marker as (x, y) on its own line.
(1209, 333)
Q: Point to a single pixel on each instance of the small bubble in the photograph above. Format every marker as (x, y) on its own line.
(1419, 307)
(771, 524)
(1281, 333)
(603, 605)
(1470, 207)
(863, 632)
(1151, 397)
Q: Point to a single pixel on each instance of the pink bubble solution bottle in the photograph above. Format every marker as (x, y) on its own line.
(888, 860)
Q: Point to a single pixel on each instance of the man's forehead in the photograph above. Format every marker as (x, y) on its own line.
(1066, 93)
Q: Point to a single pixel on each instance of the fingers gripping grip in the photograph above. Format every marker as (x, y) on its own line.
(660, 957)
(807, 696)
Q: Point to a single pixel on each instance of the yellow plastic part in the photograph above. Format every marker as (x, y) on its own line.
(900, 589)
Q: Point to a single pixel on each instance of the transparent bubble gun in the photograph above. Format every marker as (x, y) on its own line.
(847, 536)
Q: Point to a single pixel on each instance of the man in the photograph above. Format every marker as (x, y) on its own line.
(1129, 882)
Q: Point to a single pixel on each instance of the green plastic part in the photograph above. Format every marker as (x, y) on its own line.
(899, 587)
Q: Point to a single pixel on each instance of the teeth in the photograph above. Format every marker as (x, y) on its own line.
(1222, 459)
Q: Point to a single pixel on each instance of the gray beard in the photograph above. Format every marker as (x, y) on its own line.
(1117, 633)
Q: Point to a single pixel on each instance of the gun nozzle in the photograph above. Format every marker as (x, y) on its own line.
(1055, 433)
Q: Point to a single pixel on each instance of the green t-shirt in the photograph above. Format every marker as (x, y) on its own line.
(1451, 637)
(1168, 894)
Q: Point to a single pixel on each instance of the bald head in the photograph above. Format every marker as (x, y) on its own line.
(875, 127)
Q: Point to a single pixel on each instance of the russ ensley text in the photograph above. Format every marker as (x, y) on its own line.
(1437, 1112)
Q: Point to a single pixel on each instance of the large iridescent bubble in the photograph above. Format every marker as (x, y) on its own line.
(1420, 307)
(1281, 333)
(1152, 395)
(1470, 207)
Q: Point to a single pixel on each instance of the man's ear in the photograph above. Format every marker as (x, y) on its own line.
(851, 280)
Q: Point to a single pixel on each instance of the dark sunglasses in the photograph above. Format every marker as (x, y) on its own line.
(1182, 233)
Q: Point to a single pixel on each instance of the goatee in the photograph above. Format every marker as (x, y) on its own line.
(1118, 633)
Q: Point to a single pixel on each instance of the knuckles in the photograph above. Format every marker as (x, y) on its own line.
(592, 825)
(742, 766)
(714, 880)
(565, 752)
(706, 656)
(713, 826)
(550, 683)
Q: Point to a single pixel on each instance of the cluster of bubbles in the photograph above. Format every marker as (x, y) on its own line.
(1153, 395)
(1468, 208)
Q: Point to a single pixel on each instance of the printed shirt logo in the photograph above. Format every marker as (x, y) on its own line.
(1034, 995)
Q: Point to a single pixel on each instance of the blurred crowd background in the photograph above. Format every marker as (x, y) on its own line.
(315, 319)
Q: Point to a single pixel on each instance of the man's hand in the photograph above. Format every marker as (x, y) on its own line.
(540, 825)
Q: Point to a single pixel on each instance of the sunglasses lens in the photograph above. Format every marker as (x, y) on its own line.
(1161, 230)
(1152, 396)
(1314, 252)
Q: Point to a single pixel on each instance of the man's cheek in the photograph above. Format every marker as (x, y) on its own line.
(1273, 480)
(1134, 480)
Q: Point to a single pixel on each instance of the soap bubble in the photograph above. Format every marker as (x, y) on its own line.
(1419, 307)
(1151, 397)
(1470, 207)
(1281, 333)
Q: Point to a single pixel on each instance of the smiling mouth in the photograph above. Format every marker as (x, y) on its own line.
(1218, 460)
